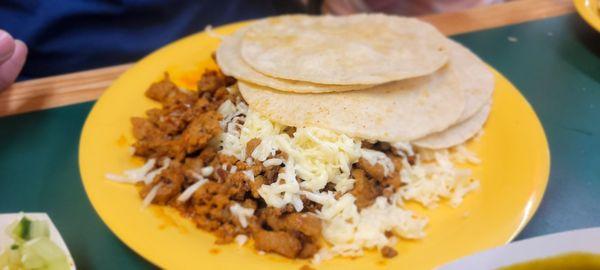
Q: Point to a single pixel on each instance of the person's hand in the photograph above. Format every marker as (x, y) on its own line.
(12, 58)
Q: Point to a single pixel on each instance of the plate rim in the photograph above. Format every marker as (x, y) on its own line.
(585, 11)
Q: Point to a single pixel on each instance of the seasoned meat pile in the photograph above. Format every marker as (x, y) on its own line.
(184, 130)
(185, 133)
(186, 122)
(370, 181)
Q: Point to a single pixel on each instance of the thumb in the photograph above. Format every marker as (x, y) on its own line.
(7, 46)
(10, 69)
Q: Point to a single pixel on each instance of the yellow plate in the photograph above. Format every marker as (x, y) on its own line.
(588, 10)
(514, 174)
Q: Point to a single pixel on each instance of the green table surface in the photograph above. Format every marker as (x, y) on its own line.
(554, 62)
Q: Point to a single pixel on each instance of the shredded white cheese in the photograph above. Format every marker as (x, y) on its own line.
(233, 115)
(227, 110)
(322, 255)
(206, 171)
(241, 213)
(403, 149)
(195, 175)
(151, 195)
(188, 192)
(133, 175)
(317, 156)
(259, 127)
(461, 154)
(285, 190)
(235, 138)
(250, 161)
(249, 174)
(351, 231)
(241, 239)
(143, 173)
(151, 175)
(321, 156)
(434, 177)
(272, 162)
(376, 157)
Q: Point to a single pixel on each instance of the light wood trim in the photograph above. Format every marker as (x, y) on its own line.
(84, 86)
(499, 15)
(58, 90)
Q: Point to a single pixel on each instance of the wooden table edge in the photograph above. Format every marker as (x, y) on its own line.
(77, 87)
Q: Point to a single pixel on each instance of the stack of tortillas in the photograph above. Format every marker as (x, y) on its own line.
(372, 77)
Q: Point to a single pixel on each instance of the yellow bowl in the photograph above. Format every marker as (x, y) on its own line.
(589, 11)
(513, 175)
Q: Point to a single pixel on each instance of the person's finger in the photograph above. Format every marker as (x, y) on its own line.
(7, 46)
(10, 69)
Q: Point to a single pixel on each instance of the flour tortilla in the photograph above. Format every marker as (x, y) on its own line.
(474, 77)
(398, 111)
(356, 49)
(230, 61)
(457, 133)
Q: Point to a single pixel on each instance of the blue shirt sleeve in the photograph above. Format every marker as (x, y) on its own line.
(70, 35)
